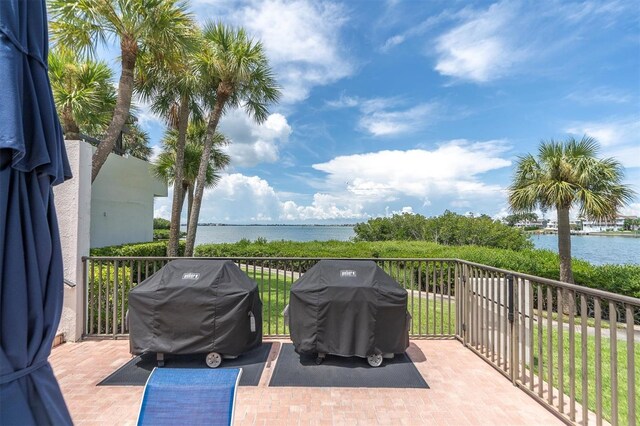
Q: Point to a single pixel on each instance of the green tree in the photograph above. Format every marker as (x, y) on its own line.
(165, 165)
(172, 87)
(234, 68)
(160, 27)
(135, 141)
(564, 175)
(160, 223)
(83, 92)
(448, 229)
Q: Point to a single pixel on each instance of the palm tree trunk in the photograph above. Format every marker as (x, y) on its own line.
(129, 50)
(564, 245)
(190, 200)
(214, 118)
(564, 252)
(178, 195)
(71, 130)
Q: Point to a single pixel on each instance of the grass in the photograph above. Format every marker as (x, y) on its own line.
(591, 322)
(623, 407)
(432, 315)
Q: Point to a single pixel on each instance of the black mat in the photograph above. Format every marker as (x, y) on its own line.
(301, 370)
(137, 371)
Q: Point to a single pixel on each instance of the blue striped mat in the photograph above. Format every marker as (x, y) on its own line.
(192, 396)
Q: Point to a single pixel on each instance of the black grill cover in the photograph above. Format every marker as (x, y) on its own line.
(348, 308)
(195, 306)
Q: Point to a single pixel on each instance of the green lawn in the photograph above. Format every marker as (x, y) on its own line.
(591, 371)
(435, 319)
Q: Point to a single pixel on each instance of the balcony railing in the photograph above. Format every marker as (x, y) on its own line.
(572, 348)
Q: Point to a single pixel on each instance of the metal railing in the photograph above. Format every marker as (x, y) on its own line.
(572, 348)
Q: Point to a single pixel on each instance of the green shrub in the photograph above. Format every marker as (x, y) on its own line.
(622, 279)
(448, 229)
(107, 295)
(155, 249)
(160, 223)
(160, 234)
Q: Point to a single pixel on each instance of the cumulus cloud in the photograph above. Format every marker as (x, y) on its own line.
(240, 198)
(356, 187)
(253, 143)
(452, 168)
(619, 137)
(302, 39)
(323, 207)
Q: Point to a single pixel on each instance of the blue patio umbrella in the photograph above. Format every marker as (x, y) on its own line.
(32, 160)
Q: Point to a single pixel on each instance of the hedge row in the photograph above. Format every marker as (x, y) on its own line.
(155, 249)
(622, 279)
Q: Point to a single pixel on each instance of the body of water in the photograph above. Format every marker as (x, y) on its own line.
(234, 233)
(595, 249)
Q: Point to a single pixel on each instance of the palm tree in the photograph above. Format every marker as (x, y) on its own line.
(135, 141)
(564, 175)
(160, 27)
(82, 91)
(234, 68)
(165, 165)
(172, 88)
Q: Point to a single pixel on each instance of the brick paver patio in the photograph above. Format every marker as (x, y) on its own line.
(463, 390)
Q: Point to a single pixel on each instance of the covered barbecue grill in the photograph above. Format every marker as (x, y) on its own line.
(193, 306)
(348, 308)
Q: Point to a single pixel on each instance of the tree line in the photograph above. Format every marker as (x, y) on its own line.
(448, 229)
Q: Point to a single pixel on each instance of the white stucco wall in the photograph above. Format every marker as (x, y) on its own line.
(116, 209)
(73, 203)
(122, 202)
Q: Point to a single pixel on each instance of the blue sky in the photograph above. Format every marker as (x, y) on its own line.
(419, 106)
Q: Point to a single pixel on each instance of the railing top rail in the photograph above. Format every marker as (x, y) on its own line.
(375, 259)
(573, 287)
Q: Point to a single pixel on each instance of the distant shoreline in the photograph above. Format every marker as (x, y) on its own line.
(276, 224)
(595, 234)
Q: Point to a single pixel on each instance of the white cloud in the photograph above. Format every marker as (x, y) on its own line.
(156, 150)
(323, 207)
(253, 143)
(162, 206)
(392, 42)
(509, 37)
(452, 169)
(357, 187)
(239, 198)
(303, 41)
(600, 95)
(384, 123)
(632, 209)
(147, 119)
(420, 29)
(389, 116)
(619, 137)
(482, 48)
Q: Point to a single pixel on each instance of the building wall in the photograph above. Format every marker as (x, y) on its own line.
(73, 204)
(116, 209)
(122, 202)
